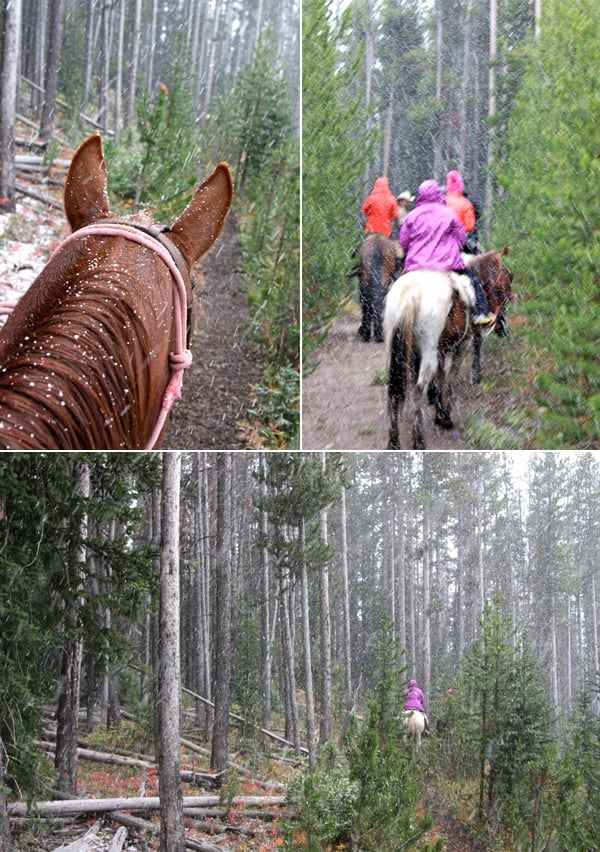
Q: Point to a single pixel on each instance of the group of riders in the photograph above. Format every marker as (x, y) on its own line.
(435, 234)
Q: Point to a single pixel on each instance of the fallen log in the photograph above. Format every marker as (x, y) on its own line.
(45, 199)
(143, 804)
(238, 718)
(87, 842)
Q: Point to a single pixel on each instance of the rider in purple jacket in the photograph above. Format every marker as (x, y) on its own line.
(415, 699)
(432, 237)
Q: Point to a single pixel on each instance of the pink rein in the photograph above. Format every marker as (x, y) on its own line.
(182, 357)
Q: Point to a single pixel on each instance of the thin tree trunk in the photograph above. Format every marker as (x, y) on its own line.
(437, 142)
(134, 61)
(326, 724)
(308, 677)
(265, 611)
(52, 66)
(489, 190)
(464, 95)
(346, 606)
(11, 19)
(67, 713)
(172, 836)
(220, 740)
(210, 73)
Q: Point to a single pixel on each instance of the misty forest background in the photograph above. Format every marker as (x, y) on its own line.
(174, 88)
(506, 91)
(313, 586)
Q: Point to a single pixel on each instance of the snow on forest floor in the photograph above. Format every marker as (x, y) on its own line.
(27, 239)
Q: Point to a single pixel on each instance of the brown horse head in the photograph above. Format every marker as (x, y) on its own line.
(495, 277)
(87, 359)
(86, 201)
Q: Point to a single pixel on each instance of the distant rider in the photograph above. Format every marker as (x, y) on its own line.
(415, 700)
(432, 238)
(380, 209)
(457, 199)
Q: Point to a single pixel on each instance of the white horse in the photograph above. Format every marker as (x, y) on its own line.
(415, 725)
(426, 318)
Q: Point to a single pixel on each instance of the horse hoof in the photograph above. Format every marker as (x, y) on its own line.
(378, 338)
(394, 444)
(366, 336)
(444, 420)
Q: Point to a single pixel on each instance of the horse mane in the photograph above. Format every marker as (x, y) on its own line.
(65, 375)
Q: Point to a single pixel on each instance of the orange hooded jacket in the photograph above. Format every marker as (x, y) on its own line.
(456, 200)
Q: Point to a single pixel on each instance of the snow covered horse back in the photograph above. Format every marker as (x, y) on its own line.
(88, 356)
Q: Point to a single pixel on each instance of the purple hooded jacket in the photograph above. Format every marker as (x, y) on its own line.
(415, 699)
(431, 234)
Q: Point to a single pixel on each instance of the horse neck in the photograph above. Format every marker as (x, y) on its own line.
(83, 381)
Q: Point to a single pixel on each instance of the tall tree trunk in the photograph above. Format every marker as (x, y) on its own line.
(439, 64)
(118, 119)
(265, 620)
(52, 66)
(426, 600)
(292, 725)
(6, 843)
(11, 20)
(308, 676)
(134, 61)
(219, 753)
(346, 606)
(172, 836)
(326, 722)
(211, 68)
(493, 58)
(67, 713)
(464, 94)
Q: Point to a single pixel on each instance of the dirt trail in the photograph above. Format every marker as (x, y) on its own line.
(216, 388)
(458, 837)
(344, 401)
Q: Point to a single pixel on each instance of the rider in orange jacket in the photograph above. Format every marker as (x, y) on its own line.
(456, 199)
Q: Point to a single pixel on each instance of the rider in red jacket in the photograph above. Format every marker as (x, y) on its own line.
(380, 209)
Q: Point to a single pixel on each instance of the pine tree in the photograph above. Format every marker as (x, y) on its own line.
(336, 146)
(548, 216)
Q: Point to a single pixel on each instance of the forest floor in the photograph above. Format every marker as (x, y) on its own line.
(344, 400)
(217, 388)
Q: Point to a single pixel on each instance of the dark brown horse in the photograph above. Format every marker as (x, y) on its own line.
(380, 261)
(91, 357)
(497, 280)
(427, 323)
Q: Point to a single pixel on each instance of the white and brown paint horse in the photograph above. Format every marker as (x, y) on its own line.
(92, 355)
(427, 323)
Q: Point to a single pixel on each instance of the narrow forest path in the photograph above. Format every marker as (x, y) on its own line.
(457, 836)
(344, 401)
(217, 387)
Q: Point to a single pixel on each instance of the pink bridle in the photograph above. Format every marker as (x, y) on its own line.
(154, 240)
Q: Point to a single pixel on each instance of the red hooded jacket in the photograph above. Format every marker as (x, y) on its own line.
(380, 208)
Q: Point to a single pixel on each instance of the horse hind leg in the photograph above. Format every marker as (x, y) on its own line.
(396, 388)
(476, 367)
(367, 309)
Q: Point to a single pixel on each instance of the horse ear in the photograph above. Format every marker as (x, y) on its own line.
(202, 220)
(504, 251)
(86, 198)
